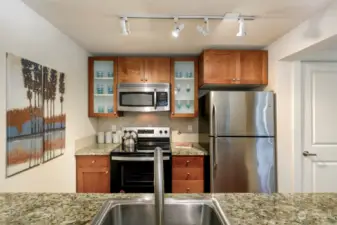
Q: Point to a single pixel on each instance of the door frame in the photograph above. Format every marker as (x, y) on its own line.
(298, 74)
(299, 70)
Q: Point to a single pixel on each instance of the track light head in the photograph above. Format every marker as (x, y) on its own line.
(204, 29)
(177, 28)
(242, 28)
(125, 26)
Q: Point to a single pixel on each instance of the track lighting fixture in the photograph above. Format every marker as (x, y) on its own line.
(204, 29)
(242, 30)
(177, 28)
(125, 26)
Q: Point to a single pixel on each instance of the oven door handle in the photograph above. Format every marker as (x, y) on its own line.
(139, 159)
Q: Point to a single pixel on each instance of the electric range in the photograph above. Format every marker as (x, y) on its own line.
(133, 171)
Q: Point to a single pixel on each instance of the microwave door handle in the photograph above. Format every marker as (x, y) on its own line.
(155, 98)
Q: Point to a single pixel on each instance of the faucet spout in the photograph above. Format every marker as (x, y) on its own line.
(159, 185)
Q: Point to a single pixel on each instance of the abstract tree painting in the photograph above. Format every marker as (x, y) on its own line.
(35, 115)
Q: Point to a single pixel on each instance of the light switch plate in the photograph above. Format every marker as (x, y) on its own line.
(190, 128)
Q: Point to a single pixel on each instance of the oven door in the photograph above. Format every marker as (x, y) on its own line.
(134, 174)
(143, 97)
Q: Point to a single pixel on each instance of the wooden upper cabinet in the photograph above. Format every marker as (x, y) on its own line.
(184, 87)
(102, 94)
(226, 67)
(131, 70)
(157, 70)
(253, 67)
(143, 70)
(220, 66)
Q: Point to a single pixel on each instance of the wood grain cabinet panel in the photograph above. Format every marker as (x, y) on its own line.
(131, 70)
(220, 66)
(227, 67)
(188, 174)
(92, 161)
(93, 180)
(92, 174)
(190, 186)
(188, 162)
(157, 70)
(253, 67)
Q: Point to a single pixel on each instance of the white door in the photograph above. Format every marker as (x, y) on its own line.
(319, 153)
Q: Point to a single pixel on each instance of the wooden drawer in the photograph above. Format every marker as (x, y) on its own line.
(188, 162)
(187, 174)
(92, 161)
(190, 186)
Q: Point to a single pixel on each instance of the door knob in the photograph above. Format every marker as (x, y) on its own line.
(306, 154)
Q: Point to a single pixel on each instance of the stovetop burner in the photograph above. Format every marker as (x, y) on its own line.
(148, 138)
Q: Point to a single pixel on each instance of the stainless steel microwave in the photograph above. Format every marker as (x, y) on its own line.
(144, 97)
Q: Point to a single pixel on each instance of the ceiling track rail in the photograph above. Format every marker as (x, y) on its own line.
(196, 17)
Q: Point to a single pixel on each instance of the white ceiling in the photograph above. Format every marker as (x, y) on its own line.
(94, 24)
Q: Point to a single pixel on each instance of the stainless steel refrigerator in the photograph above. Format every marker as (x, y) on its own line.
(238, 130)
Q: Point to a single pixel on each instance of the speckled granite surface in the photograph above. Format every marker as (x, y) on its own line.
(196, 149)
(40, 209)
(252, 209)
(105, 149)
(97, 149)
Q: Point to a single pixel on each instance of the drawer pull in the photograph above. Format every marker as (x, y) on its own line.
(187, 162)
(93, 161)
(106, 172)
(187, 176)
(187, 190)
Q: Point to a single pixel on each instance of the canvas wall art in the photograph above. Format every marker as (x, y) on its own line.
(35, 114)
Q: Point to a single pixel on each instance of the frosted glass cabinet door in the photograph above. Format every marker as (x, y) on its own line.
(184, 87)
(102, 87)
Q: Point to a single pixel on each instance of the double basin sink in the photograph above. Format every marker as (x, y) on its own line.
(176, 212)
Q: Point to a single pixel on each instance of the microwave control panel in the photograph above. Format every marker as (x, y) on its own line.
(162, 99)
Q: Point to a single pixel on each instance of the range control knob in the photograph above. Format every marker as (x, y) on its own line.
(165, 131)
(160, 132)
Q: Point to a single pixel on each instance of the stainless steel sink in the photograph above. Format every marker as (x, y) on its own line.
(176, 212)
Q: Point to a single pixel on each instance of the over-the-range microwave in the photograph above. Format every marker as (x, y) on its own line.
(145, 97)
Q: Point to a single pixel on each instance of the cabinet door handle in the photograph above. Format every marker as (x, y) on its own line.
(187, 176)
(93, 161)
(187, 162)
(233, 79)
(238, 79)
(187, 190)
(172, 113)
(106, 172)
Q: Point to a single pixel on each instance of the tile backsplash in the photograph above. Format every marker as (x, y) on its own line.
(156, 119)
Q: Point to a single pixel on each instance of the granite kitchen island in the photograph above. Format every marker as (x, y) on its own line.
(35, 208)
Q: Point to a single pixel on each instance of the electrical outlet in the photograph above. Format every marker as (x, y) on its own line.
(190, 128)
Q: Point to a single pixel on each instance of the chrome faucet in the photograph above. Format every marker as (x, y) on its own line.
(159, 186)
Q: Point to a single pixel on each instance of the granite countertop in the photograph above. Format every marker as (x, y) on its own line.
(248, 209)
(195, 150)
(97, 149)
(106, 149)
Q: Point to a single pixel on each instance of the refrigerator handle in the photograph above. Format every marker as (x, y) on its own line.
(215, 149)
(213, 122)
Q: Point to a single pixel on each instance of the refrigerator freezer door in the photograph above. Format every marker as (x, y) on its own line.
(241, 113)
(241, 164)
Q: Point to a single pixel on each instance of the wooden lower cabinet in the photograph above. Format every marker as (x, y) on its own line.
(187, 174)
(92, 174)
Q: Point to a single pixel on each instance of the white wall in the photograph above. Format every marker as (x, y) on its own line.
(26, 34)
(281, 80)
